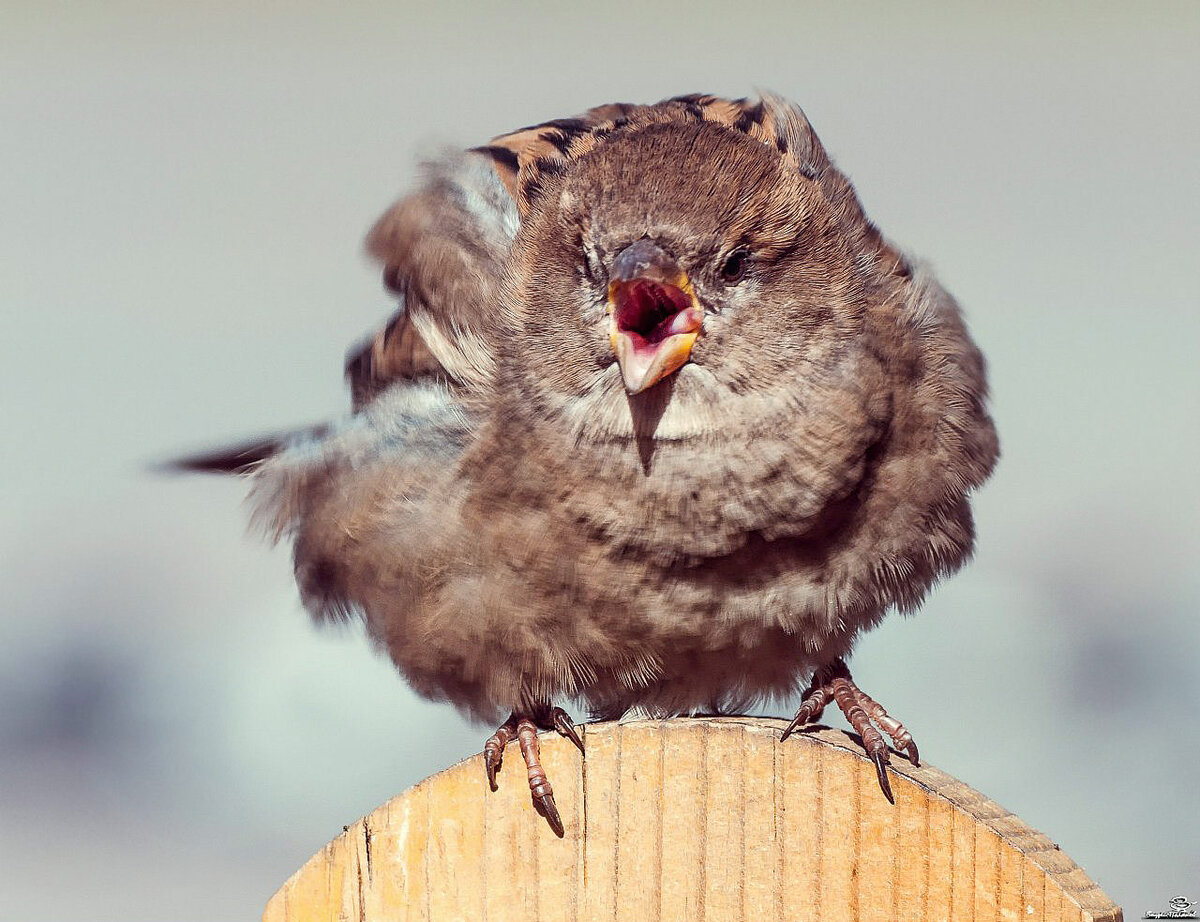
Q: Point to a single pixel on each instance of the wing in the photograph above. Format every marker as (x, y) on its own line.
(444, 250)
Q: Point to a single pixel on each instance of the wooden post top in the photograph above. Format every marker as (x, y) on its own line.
(692, 819)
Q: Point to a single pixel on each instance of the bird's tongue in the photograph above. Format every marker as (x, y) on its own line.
(648, 312)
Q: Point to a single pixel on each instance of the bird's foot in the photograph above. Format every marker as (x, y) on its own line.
(524, 729)
(833, 683)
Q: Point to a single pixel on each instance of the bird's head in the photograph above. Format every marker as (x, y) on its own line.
(684, 255)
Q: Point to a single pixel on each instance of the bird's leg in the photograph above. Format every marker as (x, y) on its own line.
(833, 682)
(524, 729)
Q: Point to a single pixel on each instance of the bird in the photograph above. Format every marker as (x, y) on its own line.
(661, 425)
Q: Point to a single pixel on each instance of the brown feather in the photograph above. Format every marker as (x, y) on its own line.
(444, 250)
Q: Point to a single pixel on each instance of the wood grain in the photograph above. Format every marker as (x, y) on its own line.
(703, 819)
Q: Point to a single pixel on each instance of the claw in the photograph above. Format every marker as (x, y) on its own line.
(880, 759)
(546, 807)
(562, 723)
(913, 755)
(810, 709)
(491, 764)
(791, 728)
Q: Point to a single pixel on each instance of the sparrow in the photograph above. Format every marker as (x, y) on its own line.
(662, 424)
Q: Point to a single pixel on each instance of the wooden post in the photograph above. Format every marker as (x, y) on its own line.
(692, 819)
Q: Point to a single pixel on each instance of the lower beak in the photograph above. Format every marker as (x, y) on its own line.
(654, 323)
(643, 366)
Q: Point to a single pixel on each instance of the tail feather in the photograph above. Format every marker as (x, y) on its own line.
(241, 458)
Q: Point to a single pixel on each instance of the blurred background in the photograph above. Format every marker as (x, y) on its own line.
(184, 190)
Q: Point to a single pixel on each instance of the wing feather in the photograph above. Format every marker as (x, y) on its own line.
(444, 251)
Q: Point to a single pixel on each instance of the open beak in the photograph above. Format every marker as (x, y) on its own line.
(654, 316)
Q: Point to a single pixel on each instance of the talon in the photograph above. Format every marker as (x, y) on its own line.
(913, 756)
(880, 758)
(491, 765)
(546, 807)
(811, 706)
(791, 728)
(562, 723)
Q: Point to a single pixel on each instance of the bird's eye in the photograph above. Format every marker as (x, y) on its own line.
(734, 266)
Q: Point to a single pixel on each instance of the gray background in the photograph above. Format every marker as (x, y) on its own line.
(183, 191)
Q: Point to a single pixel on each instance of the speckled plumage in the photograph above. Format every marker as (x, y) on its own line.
(514, 528)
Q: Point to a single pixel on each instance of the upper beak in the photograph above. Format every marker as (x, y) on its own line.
(654, 316)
